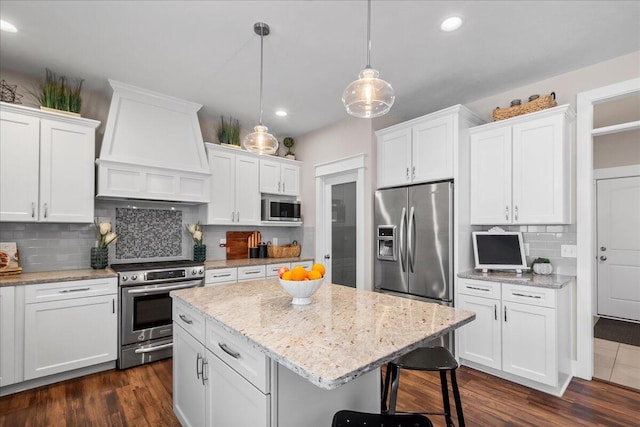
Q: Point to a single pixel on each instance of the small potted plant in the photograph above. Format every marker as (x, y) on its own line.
(542, 266)
(59, 94)
(199, 250)
(100, 253)
(228, 132)
(288, 142)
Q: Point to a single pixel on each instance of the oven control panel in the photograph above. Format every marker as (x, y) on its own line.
(160, 276)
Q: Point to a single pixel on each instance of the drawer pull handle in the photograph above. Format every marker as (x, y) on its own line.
(66, 291)
(495, 312)
(252, 272)
(230, 352)
(526, 296)
(222, 275)
(479, 289)
(198, 371)
(205, 363)
(185, 319)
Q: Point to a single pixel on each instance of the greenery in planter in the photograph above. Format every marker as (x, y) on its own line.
(229, 132)
(59, 93)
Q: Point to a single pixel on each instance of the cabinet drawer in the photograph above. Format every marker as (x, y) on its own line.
(220, 276)
(481, 288)
(272, 269)
(306, 264)
(253, 272)
(190, 319)
(543, 297)
(69, 290)
(248, 361)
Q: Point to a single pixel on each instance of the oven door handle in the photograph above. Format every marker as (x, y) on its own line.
(192, 284)
(152, 349)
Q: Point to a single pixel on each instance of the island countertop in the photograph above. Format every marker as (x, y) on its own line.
(342, 334)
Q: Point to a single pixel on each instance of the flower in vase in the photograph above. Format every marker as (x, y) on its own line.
(105, 235)
(196, 233)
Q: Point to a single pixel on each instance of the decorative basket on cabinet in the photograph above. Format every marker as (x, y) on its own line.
(541, 103)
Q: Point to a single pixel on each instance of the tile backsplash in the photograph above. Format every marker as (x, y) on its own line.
(148, 233)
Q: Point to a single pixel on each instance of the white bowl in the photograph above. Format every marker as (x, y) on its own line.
(301, 290)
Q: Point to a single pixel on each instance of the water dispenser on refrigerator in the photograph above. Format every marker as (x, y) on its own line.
(387, 243)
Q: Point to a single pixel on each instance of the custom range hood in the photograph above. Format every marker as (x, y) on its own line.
(152, 149)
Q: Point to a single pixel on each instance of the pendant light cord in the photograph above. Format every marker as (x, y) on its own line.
(261, 67)
(369, 34)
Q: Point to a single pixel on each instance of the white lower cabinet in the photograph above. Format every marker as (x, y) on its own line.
(220, 276)
(189, 400)
(69, 325)
(7, 336)
(272, 269)
(521, 331)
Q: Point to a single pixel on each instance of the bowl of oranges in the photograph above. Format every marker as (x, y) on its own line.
(300, 283)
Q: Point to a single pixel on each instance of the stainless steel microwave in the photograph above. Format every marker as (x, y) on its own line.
(280, 210)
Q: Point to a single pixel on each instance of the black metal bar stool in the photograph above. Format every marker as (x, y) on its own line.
(363, 419)
(424, 359)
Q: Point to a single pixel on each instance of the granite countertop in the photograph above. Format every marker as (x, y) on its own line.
(54, 276)
(342, 334)
(246, 262)
(553, 281)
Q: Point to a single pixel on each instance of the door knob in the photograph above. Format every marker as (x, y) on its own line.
(603, 248)
(603, 258)
(327, 256)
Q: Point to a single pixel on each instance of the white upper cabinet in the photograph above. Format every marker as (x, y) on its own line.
(279, 177)
(521, 169)
(46, 166)
(422, 149)
(235, 193)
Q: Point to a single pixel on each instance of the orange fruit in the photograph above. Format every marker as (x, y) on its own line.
(286, 275)
(320, 268)
(298, 274)
(315, 275)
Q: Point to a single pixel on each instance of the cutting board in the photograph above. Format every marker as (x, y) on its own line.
(238, 244)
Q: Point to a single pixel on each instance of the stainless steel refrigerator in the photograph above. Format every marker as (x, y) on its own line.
(414, 242)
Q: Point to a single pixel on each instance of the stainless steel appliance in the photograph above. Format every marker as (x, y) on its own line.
(145, 333)
(280, 210)
(414, 243)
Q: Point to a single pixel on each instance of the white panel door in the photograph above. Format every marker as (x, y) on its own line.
(269, 176)
(432, 150)
(188, 383)
(19, 167)
(67, 155)
(618, 250)
(394, 158)
(7, 335)
(69, 334)
(490, 187)
(529, 343)
(480, 340)
(290, 175)
(231, 400)
(247, 190)
(223, 187)
(540, 172)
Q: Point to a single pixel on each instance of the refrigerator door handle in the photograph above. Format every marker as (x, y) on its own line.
(410, 239)
(402, 222)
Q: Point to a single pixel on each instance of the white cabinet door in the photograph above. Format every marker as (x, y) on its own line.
(188, 383)
(221, 209)
(231, 400)
(432, 150)
(529, 347)
(394, 158)
(269, 176)
(247, 191)
(7, 335)
(67, 155)
(491, 177)
(290, 176)
(69, 334)
(541, 170)
(19, 167)
(480, 340)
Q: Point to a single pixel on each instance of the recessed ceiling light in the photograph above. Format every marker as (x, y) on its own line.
(281, 113)
(7, 26)
(451, 24)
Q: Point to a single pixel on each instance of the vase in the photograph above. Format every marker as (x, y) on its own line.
(99, 258)
(199, 253)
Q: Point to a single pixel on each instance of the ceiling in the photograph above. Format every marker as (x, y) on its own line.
(207, 52)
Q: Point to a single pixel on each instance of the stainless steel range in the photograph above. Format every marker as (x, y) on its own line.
(145, 333)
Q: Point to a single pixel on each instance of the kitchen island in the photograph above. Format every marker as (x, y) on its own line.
(291, 365)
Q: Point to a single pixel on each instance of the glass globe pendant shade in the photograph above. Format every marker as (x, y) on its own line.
(260, 141)
(368, 96)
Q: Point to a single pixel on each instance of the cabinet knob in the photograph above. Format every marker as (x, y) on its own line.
(506, 212)
(603, 248)
(603, 258)
(515, 212)
(327, 256)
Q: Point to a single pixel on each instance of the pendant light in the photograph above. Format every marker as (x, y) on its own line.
(368, 96)
(260, 141)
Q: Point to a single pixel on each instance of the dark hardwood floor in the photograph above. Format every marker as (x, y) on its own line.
(142, 397)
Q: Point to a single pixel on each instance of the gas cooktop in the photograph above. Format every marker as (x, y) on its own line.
(155, 265)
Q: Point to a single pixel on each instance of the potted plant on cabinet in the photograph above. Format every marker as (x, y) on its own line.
(229, 132)
(57, 93)
(288, 142)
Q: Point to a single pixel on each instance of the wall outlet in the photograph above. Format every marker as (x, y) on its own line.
(568, 251)
(275, 241)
